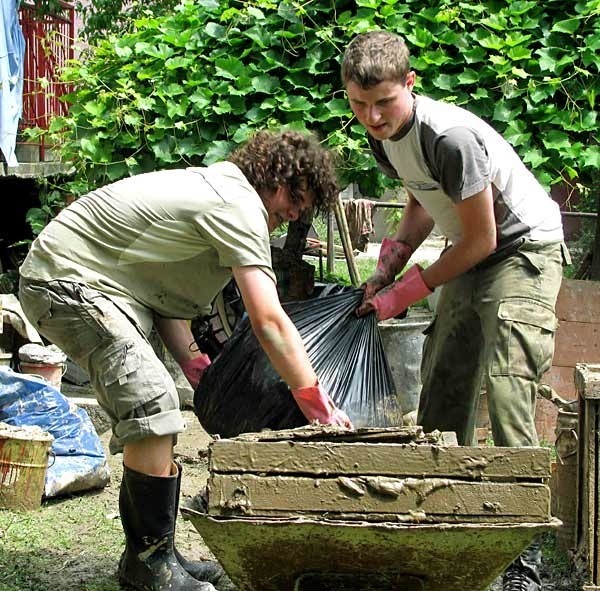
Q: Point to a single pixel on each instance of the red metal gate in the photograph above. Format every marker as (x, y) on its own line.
(48, 46)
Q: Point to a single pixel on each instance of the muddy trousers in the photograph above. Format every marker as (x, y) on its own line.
(494, 329)
(148, 506)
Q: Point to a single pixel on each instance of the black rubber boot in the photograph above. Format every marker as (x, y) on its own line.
(524, 572)
(148, 506)
(204, 570)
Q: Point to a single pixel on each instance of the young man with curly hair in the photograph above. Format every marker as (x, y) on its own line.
(154, 250)
(494, 322)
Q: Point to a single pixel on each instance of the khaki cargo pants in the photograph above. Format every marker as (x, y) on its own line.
(493, 329)
(130, 382)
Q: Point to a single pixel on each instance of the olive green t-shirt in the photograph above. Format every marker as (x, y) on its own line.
(162, 241)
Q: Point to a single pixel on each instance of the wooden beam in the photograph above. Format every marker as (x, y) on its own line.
(342, 223)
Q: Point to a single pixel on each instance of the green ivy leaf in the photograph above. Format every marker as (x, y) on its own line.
(468, 76)
(95, 108)
(520, 7)
(489, 41)
(256, 13)
(480, 93)
(475, 55)
(264, 83)
(591, 157)
(215, 30)
(504, 112)
(516, 133)
(259, 35)
(519, 53)
(556, 140)
(165, 149)
(514, 39)
(218, 150)
(420, 37)
(124, 52)
(534, 158)
(295, 103)
(497, 22)
(230, 67)
(568, 26)
(178, 62)
(145, 103)
(444, 82)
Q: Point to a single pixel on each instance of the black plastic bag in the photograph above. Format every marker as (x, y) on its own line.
(241, 391)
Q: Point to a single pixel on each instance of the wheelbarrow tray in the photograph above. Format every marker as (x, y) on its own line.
(382, 509)
(277, 554)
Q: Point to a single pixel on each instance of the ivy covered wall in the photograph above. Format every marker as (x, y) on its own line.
(184, 87)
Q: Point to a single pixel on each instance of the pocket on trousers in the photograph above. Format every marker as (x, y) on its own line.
(120, 361)
(524, 343)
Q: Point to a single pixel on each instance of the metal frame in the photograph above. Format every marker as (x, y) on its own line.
(49, 46)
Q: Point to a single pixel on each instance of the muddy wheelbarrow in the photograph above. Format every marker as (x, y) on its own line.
(379, 509)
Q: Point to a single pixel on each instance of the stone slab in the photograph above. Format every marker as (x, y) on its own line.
(379, 498)
(383, 459)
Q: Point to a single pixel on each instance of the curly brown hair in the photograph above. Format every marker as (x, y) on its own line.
(292, 159)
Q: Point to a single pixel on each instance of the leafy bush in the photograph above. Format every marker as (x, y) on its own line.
(184, 88)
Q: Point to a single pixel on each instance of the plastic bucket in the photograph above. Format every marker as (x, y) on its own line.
(52, 373)
(24, 455)
(403, 346)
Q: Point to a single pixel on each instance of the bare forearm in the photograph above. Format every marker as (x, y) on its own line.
(416, 224)
(273, 328)
(284, 347)
(177, 337)
(478, 240)
(458, 259)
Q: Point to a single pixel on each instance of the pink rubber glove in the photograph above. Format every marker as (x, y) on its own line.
(393, 256)
(316, 405)
(395, 299)
(194, 368)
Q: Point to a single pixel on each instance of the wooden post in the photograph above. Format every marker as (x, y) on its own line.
(340, 217)
(330, 245)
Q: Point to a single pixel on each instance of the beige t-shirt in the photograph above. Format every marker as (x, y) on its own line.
(162, 241)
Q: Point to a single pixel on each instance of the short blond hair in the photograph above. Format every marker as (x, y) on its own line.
(375, 57)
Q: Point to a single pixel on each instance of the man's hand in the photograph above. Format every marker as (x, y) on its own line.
(194, 368)
(392, 301)
(316, 405)
(393, 256)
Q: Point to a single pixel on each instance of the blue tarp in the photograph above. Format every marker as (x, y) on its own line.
(12, 53)
(79, 461)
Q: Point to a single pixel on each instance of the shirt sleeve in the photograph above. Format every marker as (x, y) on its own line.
(240, 236)
(459, 161)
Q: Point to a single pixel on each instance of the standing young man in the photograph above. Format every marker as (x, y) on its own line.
(154, 250)
(494, 322)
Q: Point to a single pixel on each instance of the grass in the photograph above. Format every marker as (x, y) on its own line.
(365, 268)
(69, 544)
